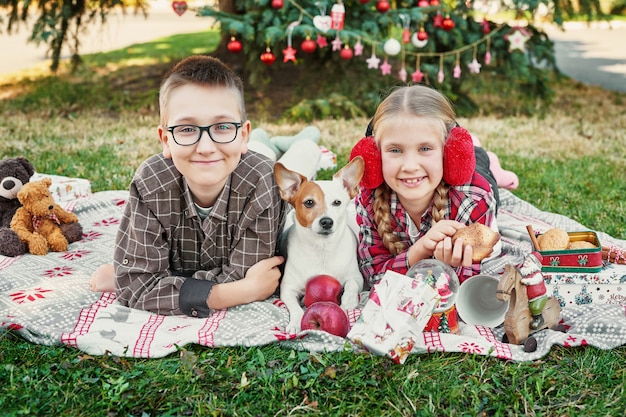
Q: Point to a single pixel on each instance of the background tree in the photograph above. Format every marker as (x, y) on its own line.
(338, 66)
(449, 44)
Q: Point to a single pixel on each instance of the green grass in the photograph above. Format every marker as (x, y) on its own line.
(100, 123)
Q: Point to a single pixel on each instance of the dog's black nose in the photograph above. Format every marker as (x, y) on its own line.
(326, 223)
(50, 207)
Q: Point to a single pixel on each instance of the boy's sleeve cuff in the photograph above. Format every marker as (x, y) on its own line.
(193, 296)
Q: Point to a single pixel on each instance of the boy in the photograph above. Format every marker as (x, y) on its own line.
(200, 227)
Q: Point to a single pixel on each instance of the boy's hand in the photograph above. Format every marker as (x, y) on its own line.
(263, 277)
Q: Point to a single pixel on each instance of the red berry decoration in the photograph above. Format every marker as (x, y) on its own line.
(364, 1)
(382, 6)
(277, 4)
(346, 53)
(447, 24)
(422, 35)
(423, 3)
(434, 3)
(234, 45)
(308, 46)
(268, 57)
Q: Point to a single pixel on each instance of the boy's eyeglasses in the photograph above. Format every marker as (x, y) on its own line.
(186, 135)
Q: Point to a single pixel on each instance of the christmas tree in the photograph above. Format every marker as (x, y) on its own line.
(446, 44)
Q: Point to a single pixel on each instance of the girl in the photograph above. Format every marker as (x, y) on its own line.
(420, 186)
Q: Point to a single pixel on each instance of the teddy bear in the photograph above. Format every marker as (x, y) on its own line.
(14, 173)
(39, 221)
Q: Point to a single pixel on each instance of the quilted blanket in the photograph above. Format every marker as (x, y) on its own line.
(47, 300)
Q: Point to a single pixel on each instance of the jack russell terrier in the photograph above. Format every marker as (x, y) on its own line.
(320, 240)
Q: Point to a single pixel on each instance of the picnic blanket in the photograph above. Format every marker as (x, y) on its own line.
(47, 300)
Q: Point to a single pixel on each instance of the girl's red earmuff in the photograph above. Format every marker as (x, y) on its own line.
(459, 159)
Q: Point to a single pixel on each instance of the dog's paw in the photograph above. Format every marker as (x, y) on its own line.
(295, 320)
(349, 299)
(349, 304)
(293, 327)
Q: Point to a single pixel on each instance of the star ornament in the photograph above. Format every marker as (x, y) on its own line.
(373, 61)
(290, 54)
(517, 38)
(417, 76)
(385, 68)
(358, 48)
(336, 43)
(474, 66)
(321, 41)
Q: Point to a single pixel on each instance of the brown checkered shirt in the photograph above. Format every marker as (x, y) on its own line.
(167, 258)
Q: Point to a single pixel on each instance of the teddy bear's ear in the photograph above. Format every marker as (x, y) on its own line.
(30, 169)
(47, 181)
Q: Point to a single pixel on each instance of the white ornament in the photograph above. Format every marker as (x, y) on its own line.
(392, 47)
(322, 23)
(416, 42)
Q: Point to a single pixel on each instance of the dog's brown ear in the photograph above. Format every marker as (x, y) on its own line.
(288, 181)
(351, 175)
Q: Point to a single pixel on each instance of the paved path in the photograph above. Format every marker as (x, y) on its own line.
(594, 55)
(16, 54)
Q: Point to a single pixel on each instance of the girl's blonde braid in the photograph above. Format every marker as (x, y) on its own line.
(440, 201)
(382, 217)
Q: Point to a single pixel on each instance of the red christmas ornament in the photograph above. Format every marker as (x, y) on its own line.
(447, 24)
(485, 26)
(277, 4)
(434, 3)
(364, 1)
(234, 45)
(268, 57)
(423, 3)
(308, 45)
(422, 35)
(382, 6)
(346, 53)
(438, 20)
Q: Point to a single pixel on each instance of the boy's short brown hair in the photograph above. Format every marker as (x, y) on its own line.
(202, 70)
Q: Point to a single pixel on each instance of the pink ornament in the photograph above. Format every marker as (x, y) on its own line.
(474, 66)
(385, 68)
(358, 48)
(336, 43)
(456, 73)
(417, 76)
(487, 58)
(373, 62)
(290, 54)
(440, 76)
(402, 74)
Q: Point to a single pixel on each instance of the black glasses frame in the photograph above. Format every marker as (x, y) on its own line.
(208, 131)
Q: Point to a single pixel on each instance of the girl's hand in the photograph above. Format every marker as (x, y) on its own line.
(426, 246)
(454, 255)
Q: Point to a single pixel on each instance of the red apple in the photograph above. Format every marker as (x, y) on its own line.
(326, 316)
(322, 288)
